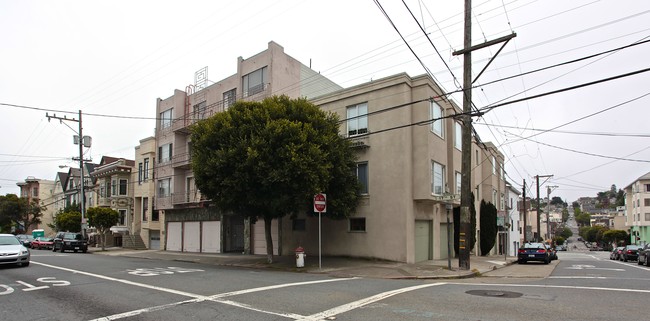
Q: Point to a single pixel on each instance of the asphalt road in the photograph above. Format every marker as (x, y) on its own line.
(579, 286)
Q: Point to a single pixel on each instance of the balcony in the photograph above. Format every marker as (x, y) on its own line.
(183, 160)
(181, 124)
(189, 197)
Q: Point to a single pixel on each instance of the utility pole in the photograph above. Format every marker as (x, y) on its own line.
(548, 210)
(81, 141)
(539, 227)
(525, 214)
(466, 119)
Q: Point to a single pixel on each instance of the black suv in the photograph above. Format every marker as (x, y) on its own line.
(70, 241)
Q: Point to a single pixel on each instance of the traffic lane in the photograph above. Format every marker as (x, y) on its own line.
(474, 301)
(47, 293)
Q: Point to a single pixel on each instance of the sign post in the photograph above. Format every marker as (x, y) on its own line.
(320, 206)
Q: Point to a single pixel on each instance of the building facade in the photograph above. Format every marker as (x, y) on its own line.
(146, 219)
(38, 191)
(637, 209)
(514, 219)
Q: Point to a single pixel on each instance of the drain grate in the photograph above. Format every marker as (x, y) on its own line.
(495, 294)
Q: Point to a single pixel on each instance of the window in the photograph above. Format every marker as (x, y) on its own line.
(437, 125)
(357, 119)
(362, 176)
(459, 178)
(199, 111)
(229, 98)
(139, 173)
(122, 217)
(298, 224)
(35, 192)
(647, 187)
(145, 175)
(108, 188)
(145, 208)
(255, 82)
(164, 187)
(647, 217)
(437, 178)
(502, 202)
(494, 166)
(123, 184)
(114, 187)
(166, 119)
(458, 136)
(646, 202)
(155, 216)
(165, 153)
(358, 224)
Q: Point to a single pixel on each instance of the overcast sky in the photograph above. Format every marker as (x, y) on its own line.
(115, 58)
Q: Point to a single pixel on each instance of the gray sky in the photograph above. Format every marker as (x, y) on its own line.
(116, 57)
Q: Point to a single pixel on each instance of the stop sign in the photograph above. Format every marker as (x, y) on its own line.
(320, 203)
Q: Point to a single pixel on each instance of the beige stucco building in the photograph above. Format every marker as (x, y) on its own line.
(39, 191)
(146, 220)
(637, 209)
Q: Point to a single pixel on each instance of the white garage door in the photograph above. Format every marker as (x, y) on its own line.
(259, 238)
(211, 237)
(422, 241)
(174, 236)
(192, 237)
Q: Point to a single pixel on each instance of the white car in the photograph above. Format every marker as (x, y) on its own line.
(12, 251)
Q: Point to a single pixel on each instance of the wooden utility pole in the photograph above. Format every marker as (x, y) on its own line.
(466, 152)
(525, 214)
(539, 228)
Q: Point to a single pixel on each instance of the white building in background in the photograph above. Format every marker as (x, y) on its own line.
(516, 220)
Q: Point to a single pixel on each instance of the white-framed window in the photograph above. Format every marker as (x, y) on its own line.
(437, 126)
(114, 187)
(494, 165)
(122, 217)
(437, 178)
(255, 82)
(647, 217)
(647, 187)
(123, 187)
(229, 98)
(165, 153)
(166, 118)
(646, 202)
(458, 135)
(140, 173)
(145, 175)
(459, 179)
(362, 176)
(357, 119)
(357, 224)
(164, 187)
(145, 209)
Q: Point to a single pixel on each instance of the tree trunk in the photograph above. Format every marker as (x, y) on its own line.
(103, 239)
(269, 240)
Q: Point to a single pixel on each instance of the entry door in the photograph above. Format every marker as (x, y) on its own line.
(423, 241)
(154, 240)
(444, 238)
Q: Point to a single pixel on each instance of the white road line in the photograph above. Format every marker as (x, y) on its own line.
(278, 286)
(636, 266)
(360, 303)
(573, 287)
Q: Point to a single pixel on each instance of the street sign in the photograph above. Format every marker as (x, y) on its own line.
(320, 203)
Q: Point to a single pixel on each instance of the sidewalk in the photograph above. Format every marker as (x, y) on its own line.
(331, 265)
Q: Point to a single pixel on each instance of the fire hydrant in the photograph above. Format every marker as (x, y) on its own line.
(300, 257)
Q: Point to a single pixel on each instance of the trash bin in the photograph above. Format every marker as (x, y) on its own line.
(300, 257)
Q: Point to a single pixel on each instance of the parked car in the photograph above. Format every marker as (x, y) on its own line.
(616, 253)
(12, 251)
(644, 254)
(25, 239)
(42, 243)
(534, 252)
(629, 253)
(560, 247)
(70, 241)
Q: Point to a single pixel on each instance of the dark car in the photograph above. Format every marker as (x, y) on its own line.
(25, 239)
(630, 253)
(70, 241)
(616, 253)
(534, 252)
(644, 254)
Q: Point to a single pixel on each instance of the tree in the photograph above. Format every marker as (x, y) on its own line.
(556, 200)
(615, 236)
(10, 207)
(102, 218)
(565, 215)
(265, 160)
(68, 221)
(564, 232)
(19, 212)
(583, 219)
(472, 236)
(488, 226)
(559, 240)
(595, 233)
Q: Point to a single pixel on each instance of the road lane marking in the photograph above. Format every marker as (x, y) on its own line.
(324, 315)
(571, 287)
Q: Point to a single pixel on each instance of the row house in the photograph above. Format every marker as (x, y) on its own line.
(146, 218)
(38, 191)
(637, 209)
(189, 223)
(514, 220)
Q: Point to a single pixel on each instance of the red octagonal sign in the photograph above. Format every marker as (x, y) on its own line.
(320, 203)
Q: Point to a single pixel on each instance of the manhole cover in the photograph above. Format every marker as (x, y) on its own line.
(495, 294)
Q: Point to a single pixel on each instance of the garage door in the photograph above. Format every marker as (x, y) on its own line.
(422, 241)
(259, 238)
(192, 237)
(174, 236)
(211, 237)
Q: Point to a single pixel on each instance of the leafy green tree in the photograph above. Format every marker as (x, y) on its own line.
(472, 236)
(488, 227)
(575, 205)
(565, 215)
(102, 218)
(267, 159)
(558, 240)
(565, 232)
(583, 219)
(595, 233)
(10, 208)
(68, 221)
(556, 200)
(615, 237)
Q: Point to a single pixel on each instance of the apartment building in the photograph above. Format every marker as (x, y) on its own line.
(114, 189)
(514, 219)
(190, 224)
(145, 219)
(637, 209)
(410, 168)
(39, 191)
